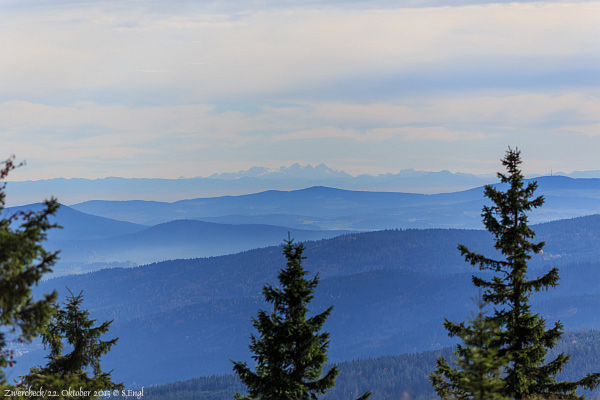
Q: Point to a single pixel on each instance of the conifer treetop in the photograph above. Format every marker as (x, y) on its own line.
(290, 349)
(523, 338)
(71, 325)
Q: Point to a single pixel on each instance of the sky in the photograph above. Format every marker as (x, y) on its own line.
(164, 89)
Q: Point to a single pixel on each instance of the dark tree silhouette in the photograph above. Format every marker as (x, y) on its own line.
(290, 349)
(23, 262)
(523, 340)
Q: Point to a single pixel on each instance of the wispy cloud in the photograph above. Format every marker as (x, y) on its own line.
(151, 89)
(92, 49)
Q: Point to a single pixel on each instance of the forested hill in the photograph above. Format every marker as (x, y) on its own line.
(429, 252)
(97, 233)
(389, 377)
(195, 314)
(87, 238)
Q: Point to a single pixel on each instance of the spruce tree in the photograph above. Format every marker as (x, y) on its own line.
(72, 326)
(23, 262)
(478, 364)
(290, 349)
(524, 339)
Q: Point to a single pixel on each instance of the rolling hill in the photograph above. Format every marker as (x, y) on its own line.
(390, 290)
(180, 239)
(328, 208)
(88, 242)
(77, 225)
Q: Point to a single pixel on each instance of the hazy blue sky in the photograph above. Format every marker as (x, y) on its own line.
(170, 88)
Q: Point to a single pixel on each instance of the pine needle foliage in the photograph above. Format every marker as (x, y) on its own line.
(524, 339)
(478, 365)
(72, 326)
(290, 349)
(23, 262)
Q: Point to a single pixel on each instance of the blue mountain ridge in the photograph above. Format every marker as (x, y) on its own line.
(390, 290)
(330, 208)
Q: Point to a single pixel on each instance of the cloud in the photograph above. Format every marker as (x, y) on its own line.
(87, 50)
(466, 110)
(131, 124)
(592, 130)
(378, 135)
(203, 130)
(142, 88)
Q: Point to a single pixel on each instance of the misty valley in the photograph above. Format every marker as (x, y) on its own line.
(181, 281)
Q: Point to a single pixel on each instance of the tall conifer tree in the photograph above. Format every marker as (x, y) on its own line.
(290, 350)
(23, 262)
(72, 326)
(524, 339)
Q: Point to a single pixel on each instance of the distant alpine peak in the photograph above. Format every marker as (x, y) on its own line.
(295, 171)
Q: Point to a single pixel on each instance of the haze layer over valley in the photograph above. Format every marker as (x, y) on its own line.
(101, 233)
(393, 264)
